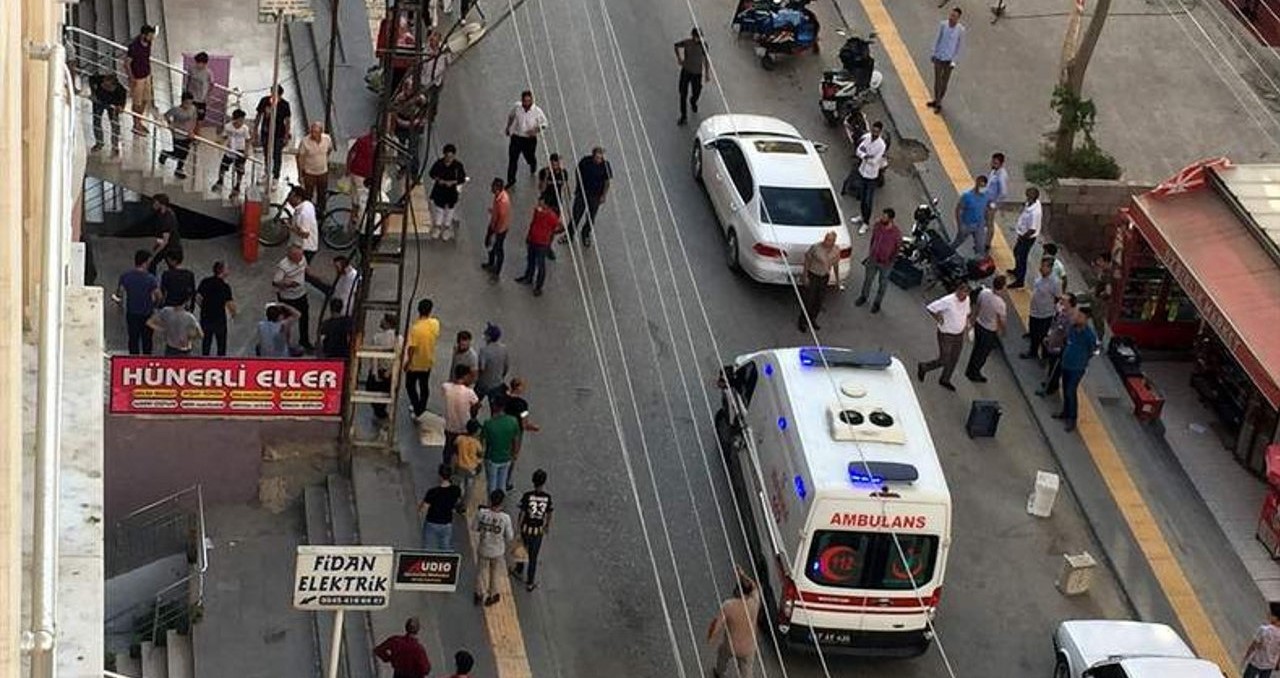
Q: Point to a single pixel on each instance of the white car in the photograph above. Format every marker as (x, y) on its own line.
(1125, 649)
(771, 193)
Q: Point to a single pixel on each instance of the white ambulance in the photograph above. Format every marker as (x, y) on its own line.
(847, 512)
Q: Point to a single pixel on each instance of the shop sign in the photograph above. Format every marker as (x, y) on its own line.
(342, 577)
(427, 571)
(226, 387)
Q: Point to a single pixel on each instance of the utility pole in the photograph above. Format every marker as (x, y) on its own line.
(329, 77)
(1076, 54)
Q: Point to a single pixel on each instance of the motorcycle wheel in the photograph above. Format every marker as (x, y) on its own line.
(831, 117)
(767, 62)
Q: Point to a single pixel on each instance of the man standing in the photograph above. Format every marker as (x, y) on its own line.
(951, 313)
(886, 240)
(988, 326)
(345, 284)
(177, 284)
(535, 522)
(108, 97)
(361, 156)
(498, 433)
(407, 657)
(493, 362)
(1055, 341)
(448, 175)
(273, 331)
(821, 269)
(1263, 653)
(460, 406)
(870, 154)
(495, 236)
(213, 296)
(304, 229)
(290, 281)
(997, 189)
(493, 526)
(137, 63)
(178, 328)
(542, 230)
(313, 164)
(420, 357)
(437, 508)
(946, 53)
(733, 629)
(1080, 347)
(594, 176)
(1027, 229)
(971, 215)
(552, 182)
(262, 123)
(335, 332)
(691, 54)
(464, 353)
(199, 83)
(139, 290)
(524, 123)
(1044, 304)
(182, 120)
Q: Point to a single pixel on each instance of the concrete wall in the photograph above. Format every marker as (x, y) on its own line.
(1083, 213)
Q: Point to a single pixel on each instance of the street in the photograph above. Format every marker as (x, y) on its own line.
(620, 355)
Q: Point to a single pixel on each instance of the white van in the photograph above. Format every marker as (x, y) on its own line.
(846, 508)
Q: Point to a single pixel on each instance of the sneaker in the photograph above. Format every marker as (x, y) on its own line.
(875, 308)
(551, 255)
(682, 122)
(115, 151)
(164, 157)
(947, 385)
(530, 586)
(523, 280)
(860, 301)
(217, 187)
(862, 229)
(96, 147)
(693, 106)
(492, 599)
(976, 378)
(537, 292)
(179, 174)
(235, 193)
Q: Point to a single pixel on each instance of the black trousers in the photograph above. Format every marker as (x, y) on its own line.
(113, 115)
(379, 382)
(587, 205)
(1038, 329)
(497, 252)
(691, 89)
(139, 334)
(214, 331)
(532, 545)
(984, 342)
(1053, 374)
(304, 309)
(416, 385)
(521, 146)
(535, 265)
(277, 154)
(181, 148)
(812, 295)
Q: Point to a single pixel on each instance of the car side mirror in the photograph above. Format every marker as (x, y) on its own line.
(820, 147)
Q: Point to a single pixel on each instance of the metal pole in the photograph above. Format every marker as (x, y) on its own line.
(333, 52)
(335, 643)
(269, 152)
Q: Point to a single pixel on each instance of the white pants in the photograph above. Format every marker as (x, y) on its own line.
(441, 220)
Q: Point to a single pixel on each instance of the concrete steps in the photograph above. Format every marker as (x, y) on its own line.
(128, 665)
(179, 656)
(155, 661)
(329, 511)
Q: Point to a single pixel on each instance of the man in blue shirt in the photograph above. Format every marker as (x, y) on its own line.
(946, 53)
(139, 290)
(1081, 344)
(997, 189)
(971, 217)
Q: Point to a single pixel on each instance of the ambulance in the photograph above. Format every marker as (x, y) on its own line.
(847, 512)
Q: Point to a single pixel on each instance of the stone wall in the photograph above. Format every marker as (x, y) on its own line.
(1082, 213)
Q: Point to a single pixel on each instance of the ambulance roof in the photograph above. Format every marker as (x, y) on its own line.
(815, 390)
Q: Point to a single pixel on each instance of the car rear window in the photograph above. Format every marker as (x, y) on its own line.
(798, 206)
(871, 560)
(775, 146)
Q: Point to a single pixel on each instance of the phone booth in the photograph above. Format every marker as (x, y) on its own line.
(1269, 520)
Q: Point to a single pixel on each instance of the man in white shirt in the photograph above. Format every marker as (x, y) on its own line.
(313, 163)
(946, 53)
(236, 135)
(524, 123)
(304, 232)
(1027, 229)
(290, 281)
(951, 313)
(460, 406)
(344, 286)
(870, 155)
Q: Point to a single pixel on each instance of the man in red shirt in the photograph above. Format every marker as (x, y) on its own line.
(360, 157)
(407, 657)
(886, 239)
(545, 224)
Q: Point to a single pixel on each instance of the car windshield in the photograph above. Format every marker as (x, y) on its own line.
(871, 560)
(798, 206)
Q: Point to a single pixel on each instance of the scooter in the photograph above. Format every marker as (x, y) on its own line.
(843, 91)
(929, 248)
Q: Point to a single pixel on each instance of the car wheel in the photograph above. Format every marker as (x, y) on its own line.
(695, 161)
(731, 251)
(1060, 669)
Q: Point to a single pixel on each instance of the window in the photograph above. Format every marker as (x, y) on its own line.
(871, 560)
(798, 206)
(736, 164)
(775, 146)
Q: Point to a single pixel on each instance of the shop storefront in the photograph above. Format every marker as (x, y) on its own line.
(1196, 268)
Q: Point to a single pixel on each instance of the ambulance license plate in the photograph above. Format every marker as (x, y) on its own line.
(834, 637)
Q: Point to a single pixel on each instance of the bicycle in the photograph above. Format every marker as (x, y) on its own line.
(339, 226)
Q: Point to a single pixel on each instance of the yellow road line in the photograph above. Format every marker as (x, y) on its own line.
(1151, 540)
(500, 619)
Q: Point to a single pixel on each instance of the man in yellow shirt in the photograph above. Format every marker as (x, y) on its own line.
(420, 357)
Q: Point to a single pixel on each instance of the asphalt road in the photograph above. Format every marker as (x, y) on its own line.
(621, 351)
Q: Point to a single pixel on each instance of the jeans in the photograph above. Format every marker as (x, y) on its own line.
(517, 147)
(496, 475)
(1071, 393)
(878, 272)
(1021, 250)
(277, 153)
(214, 331)
(416, 385)
(1251, 671)
(811, 296)
(113, 116)
(304, 320)
(583, 204)
(229, 159)
(691, 89)
(949, 347)
(984, 342)
(497, 252)
(532, 545)
(1038, 328)
(437, 537)
(976, 231)
(535, 268)
(866, 196)
(139, 334)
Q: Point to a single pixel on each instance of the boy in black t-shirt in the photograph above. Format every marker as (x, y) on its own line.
(535, 520)
(437, 513)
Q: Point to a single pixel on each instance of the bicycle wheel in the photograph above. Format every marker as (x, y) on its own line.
(271, 229)
(337, 231)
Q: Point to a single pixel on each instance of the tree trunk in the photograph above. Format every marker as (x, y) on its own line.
(1073, 78)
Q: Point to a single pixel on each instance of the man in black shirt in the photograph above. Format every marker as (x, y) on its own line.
(535, 520)
(108, 97)
(215, 301)
(168, 236)
(594, 176)
(178, 284)
(437, 513)
(262, 123)
(335, 331)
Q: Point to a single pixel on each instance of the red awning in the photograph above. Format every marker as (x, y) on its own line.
(1232, 280)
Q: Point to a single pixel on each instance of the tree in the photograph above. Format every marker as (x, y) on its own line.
(1071, 82)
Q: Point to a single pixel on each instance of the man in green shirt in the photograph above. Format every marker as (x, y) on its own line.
(499, 434)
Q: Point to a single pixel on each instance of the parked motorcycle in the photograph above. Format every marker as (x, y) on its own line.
(930, 248)
(845, 91)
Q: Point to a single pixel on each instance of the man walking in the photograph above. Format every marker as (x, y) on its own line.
(216, 303)
(535, 522)
(733, 629)
(971, 215)
(951, 313)
(291, 290)
(542, 230)
(108, 97)
(524, 123)
(262, 123)
(304, 227)
(498, 433)
(199, 83)
(420, 357)
(139, 290)
(947, 46)
(1079, 349)
(493, 526)
(405, 654)
(997, 189)
(1263, 653)
(169, 233)
(235, 135)
(821, 269)
(436, 508)
(137, 63)
(594, 176)
(447, 175)
(691, 54)
(460, 406)
(886, 240)
(1044, 304)
(313, 164)
(182, 120)
(989, 319)
(494, 362)
(495, 237)
(345, 284)
(870, 154)
(1026, 230)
